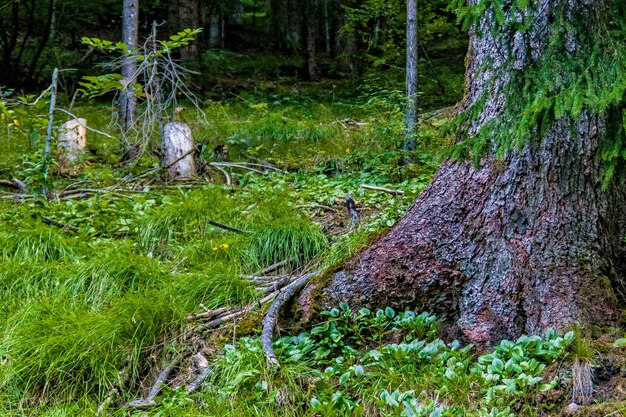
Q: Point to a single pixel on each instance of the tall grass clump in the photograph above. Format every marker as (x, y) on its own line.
(183, 219)
(217, 285)
(38, 243)
(61, 347)
(22, 281)
(283, 234)
(275, 127)
(110, 274)
(58, 350)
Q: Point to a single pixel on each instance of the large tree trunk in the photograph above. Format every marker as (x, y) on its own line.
(515, 246)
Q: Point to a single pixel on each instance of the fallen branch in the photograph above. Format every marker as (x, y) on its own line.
(207, 314)
(262, 280)
(280, 283)
(235, 165)
(273, 268)
(17, 196)
(271, 317)
(229, 182)
(54, 222)
(113, 392)
(234, 313)
(15, 184)
(382, 189)
(227, 227)
(265, 163)
(84, 125)
(316, 206)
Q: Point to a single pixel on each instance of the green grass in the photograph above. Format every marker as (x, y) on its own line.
(183, 218)
(39, 243)
(60, 349)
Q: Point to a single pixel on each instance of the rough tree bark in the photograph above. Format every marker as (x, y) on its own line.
(515, 246)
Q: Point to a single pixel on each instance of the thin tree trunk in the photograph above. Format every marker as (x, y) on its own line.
(53, 98)
(128, 101)
(12, 39)
(214, 30)
(44, 40)
(310, 28)
(172, 17)
(294, 22)
(189, 18)
(515, 246)
(327, 26)
(410, 120)
(238, 13)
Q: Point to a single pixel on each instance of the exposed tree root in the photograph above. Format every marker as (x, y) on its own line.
(271, 317)
(201, 366)
(156, 388)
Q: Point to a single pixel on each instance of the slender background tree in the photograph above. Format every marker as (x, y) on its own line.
(411, 77)
(128, 101)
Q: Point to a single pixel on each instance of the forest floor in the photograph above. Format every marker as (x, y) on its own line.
(118, 274)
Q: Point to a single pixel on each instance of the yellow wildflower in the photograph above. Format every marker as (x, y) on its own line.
(215, 248)
(224, 245)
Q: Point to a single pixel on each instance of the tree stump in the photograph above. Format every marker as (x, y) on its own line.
(71, 146)
(177, 151)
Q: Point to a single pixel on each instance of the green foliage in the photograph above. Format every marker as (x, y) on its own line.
(380, 25)
(381, 363)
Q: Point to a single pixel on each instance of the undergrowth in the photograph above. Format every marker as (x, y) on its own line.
(355, 363)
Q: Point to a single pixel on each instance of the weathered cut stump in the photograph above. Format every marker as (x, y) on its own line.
(177, 152)
(71, 145)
